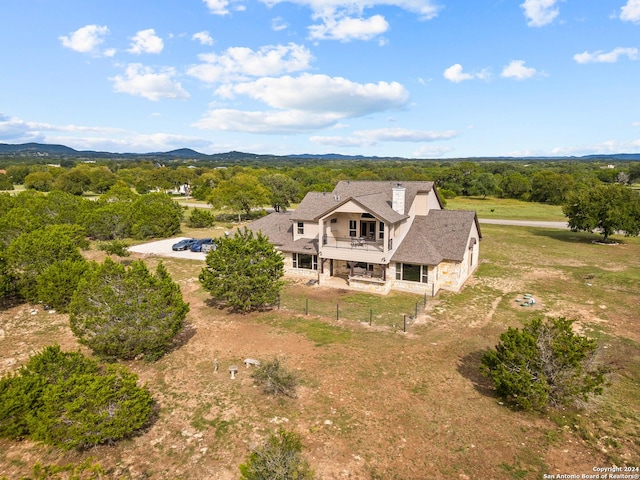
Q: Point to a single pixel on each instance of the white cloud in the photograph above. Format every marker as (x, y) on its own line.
(344, 20)
(146, 41)
(349, 28)
(425, 9)
(322, 94)
(631, 11)
(221, 7)
(606, 57)
(267, 122)
(304, 103)
(278, 24)
(203, 37)
(540, 12)
(143, 81)
(517, 70)
(367, 138)
(86, 39)
(431, 151)
(606, 147)
(241, 62)
(455, 74)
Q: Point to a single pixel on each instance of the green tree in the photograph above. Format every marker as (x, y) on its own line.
(279, 458)
(40, 181)
(515, 185)
(242, 193)
(17, 173)
(607, 208)
(483, 184)
(551, 187)
(200, 218)
(244, 271)
(124, 313)
(67, 400)
(544, 364)
(282, 190)
(155, 215)
(75, 181)
(32, 253)
(5, 182)
(108, 220)
(100, 179)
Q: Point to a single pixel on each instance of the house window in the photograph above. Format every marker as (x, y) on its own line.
(302, 260)
(381, 231)
(409, 272)
(353, 225)
(300, 228)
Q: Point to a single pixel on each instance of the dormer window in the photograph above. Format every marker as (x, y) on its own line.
(300, 228)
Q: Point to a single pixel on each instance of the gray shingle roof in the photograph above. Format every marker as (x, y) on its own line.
(373, 196)
(440, 235)
(278, 228)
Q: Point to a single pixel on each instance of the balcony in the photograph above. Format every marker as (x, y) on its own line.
(358, 244)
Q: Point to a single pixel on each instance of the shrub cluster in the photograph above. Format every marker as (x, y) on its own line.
(70, 401)
(544, 364)
(275, 379)
(279, 458)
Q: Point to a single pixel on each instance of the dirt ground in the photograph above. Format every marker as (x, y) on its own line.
(373, 404)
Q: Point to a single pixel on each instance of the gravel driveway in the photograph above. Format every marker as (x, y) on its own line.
(162, 248)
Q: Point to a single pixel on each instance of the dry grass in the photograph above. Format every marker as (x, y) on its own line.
(374, 404)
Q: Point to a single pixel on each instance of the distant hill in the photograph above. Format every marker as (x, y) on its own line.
(62, 151)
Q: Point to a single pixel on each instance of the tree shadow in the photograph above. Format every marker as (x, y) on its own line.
(469, 368)
(567, 235)
(183, 337)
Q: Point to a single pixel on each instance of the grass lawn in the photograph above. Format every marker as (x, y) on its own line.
(507, 208)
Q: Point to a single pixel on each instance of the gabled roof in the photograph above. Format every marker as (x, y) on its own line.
(374, 196)
(278, 228)
(440, 235)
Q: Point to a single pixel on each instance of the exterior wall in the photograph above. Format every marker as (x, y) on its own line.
(297, 272)
(310, 230)
(450, 275)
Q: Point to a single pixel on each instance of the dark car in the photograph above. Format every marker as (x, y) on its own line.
(183, 244)
(197, 245)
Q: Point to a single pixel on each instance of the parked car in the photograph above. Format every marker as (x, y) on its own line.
(183, 244)
(207, 247)
(198, 244)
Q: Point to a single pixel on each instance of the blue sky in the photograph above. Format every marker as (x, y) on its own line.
(407, 78)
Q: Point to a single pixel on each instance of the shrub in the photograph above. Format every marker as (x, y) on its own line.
(544, 364)
(274, 379)
(115, 247)
(56, 285)
(200, 218)
(69, 401)
(124, 313)
(279, 458)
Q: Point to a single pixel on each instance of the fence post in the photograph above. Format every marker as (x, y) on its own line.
(425, 299)
(370, 316)
(306, 306)
(404, 327)
(416, 315)
(337, 312)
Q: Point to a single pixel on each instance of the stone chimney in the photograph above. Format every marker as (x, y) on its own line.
(398, 199)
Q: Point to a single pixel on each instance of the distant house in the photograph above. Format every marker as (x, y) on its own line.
(377, 237)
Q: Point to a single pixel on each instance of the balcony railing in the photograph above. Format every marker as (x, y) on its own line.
(352, 243)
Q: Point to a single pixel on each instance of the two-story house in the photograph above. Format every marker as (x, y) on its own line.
(377, 236)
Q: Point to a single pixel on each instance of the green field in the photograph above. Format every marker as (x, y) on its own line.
(507, 208)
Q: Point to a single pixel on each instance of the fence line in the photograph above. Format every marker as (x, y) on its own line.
(345, 311)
